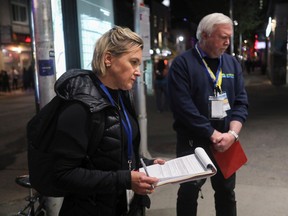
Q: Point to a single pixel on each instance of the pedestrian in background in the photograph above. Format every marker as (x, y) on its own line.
(102, 188)
(161, 85)
(198, 79)
(15, 77)
(5, 81)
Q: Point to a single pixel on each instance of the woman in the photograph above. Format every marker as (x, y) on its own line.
(99, 185)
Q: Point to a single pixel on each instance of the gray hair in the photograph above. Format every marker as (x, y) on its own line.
(116, 41)
(208, 22)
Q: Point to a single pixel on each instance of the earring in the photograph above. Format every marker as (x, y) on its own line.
(108, 65)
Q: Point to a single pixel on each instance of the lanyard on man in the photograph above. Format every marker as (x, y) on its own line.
(217, 77)
(218, 103)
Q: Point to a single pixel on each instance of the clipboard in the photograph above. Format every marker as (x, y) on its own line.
(230, 160)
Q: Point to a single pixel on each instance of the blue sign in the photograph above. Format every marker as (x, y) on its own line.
(46, 67)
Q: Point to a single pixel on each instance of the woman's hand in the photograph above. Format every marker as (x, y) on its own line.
(159, 161)
(141, 183)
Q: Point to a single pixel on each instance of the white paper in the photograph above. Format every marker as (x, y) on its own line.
(186, 168)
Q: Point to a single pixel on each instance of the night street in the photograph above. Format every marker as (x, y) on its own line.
(262, 184)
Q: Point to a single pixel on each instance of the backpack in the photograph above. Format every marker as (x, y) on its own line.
(40, 132)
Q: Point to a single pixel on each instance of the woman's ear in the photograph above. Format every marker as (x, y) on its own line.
(107, 59)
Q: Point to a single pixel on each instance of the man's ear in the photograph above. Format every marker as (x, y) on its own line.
(107, 58)
(204, 35)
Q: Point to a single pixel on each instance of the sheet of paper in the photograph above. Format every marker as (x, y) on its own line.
(204, 158)
(182, 168)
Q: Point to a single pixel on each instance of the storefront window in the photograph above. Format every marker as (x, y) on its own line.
(95, 17)
(60, 59)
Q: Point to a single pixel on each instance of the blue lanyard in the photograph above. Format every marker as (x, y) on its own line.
(127, 124)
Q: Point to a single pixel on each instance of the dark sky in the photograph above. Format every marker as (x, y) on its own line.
(194, 10)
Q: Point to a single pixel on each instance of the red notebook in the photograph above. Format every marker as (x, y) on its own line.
(231, 160)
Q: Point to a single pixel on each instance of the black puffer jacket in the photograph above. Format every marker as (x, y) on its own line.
(97, 186)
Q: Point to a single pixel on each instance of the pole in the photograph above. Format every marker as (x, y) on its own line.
(140, 88)
(232, 36)
(44, 50)
(45, 69)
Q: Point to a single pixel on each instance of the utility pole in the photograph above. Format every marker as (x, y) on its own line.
(42, 28)
(141, 28)
(232, 36)
(44, 50)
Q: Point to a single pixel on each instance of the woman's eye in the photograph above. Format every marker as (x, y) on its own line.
(134, 63)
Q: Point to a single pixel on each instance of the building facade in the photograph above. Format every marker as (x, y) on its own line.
(277, 42)
(15, 37)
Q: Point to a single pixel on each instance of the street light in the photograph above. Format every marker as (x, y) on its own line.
(180, 45)
(180, 38)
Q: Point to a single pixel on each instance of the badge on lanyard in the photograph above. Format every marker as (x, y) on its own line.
(219, 104)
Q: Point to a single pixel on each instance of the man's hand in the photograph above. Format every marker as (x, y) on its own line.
(225, 143)
(216, 137)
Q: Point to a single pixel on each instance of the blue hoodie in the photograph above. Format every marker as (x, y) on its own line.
(189, 88)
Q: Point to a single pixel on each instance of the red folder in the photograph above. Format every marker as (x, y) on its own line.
(231, 160)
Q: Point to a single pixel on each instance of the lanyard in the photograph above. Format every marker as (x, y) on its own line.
(217, 80)
(126, 124)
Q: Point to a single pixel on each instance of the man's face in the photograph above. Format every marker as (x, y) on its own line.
(217, 42)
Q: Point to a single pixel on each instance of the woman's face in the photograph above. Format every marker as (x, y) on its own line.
(124, 69)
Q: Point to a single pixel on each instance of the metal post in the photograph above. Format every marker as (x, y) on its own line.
(140, 89)
(44, 49)
(45, 69)
(232, 36)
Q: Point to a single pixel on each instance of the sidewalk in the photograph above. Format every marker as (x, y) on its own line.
(262, 184)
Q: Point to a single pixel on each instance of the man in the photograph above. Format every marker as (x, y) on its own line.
(209, 105)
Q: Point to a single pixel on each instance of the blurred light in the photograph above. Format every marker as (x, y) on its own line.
(166, 3)
(235, 23)
(240, 57)
(166, 52)
(180, 38)
(259, 45)
(261, 4)
(151, 51)
(158, 51)
(269, 27)
(273, 25)
(16, 49)
(28, 39)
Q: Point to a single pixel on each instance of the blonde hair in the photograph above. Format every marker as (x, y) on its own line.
(116, 41)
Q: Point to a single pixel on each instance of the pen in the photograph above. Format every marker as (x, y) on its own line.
(145, 168)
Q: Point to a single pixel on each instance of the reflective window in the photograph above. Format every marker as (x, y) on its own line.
(95, 17)
(59, 48)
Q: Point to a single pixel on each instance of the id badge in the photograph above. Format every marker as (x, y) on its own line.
(218, 105)
(226, 105)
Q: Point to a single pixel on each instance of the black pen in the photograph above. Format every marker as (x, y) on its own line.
(145, 168)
